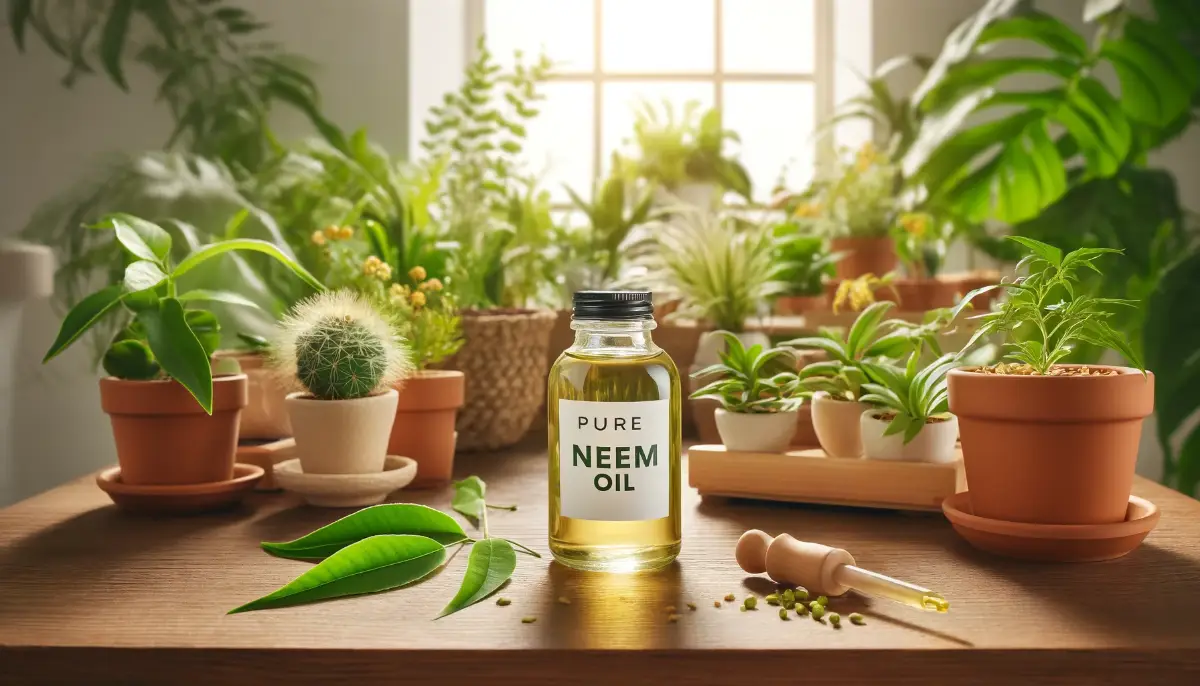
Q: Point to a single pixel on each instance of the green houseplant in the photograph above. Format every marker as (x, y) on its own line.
(805, 265)
(911, 421)
(759, 395)
(161, 393)
(684, 155)
(1042, 441)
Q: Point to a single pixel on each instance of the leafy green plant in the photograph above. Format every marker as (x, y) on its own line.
(1051, 310)
(858, 199)
(752, 381)
(425, 315)
(804, 261)
(163, 339)
(894, 118)
(720, 267)
(387, 546)
(914, 394)
(688, 148)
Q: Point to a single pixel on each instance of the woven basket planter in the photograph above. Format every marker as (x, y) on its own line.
(505, 361)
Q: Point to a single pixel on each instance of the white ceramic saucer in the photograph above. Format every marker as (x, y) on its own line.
(346, 490)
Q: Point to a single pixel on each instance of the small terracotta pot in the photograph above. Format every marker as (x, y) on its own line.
(1051, 449)
(933, 443)
(342, 436)
(756, 432)
(864, 256)
(164, 437)
(922, 295)
(424, 427)
(265, 415)
(799, 304)
(836, 423)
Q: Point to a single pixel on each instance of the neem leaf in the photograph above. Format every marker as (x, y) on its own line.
(85, 314)
(491, 564)
(373, 564)
(145, 240)
(469, 497)
(398, 518)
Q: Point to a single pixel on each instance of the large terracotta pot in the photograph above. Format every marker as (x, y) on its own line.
(265, 416)
(342, 436)
(799, 304)
(1051, 449)
(164, 437)
(424, 426)
(837, 425)
(864, 256)
(922, 295)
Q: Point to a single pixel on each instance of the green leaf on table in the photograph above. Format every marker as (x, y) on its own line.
(112, 40)
(143, 275)
(85, 314)
(469, 497)
(373, 564)
(144, 240)
(491, 563)
(178, 350)
(394, 519)
(207, 252)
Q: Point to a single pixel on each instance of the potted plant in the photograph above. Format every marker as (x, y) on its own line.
(910, 419)
(1044, 441)
(921, 243)
(265, 416)
(347, 357)
(427, 408)
(805, 264)
(161, 394)
(759, 395)
(684, 157)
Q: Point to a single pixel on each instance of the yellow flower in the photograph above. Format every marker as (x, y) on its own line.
(417, 273)
(371, 265)
(808, 209)
(915, 224)
(432, 285)
(417, 298)
(331, 232)
(384, 271)
(318, 238)
(858, 293)
(345, 233)
(867, 156)
(398, 291)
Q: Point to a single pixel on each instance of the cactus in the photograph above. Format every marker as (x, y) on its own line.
(340, 348)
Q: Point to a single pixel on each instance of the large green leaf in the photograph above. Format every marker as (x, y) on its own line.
(1157, 73)
(145, 240)
(399, 518)
(1040, 28)
(206, 295)
(491, 564)
(178, 350)
(143, 275)
(373, 564)
(112, 39)
(83, 316)
(960, 44)
(971, 76)
(207, 252)
(206, 327)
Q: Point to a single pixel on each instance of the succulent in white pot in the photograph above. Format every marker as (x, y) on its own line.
(759, 395)
(910, 419)
(348, 359)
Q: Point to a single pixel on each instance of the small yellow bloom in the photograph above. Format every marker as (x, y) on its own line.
(432, 285)
(807, 210)
(398, 291)
(345, 233)
(318, 238)
(915, 224)
(417, 273)
(371, 265)
(331, 232)
(384, 271)
(417, 298)
(867, 156)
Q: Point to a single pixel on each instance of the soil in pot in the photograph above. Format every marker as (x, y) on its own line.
(837, 425)
(933, 443)
(1057, 449)
(766, 432)
(864, 256)
(424, 427)
(264, 416)
(164, 437)
(342, 436)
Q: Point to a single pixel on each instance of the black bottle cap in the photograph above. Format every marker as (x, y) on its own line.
(614, 305)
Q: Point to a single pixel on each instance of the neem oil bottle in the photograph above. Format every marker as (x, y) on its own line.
(613, 405)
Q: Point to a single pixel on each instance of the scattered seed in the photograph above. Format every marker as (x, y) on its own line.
(672, 618)
(801, 609)
(730, 598)
(823, 600)
(716, 603)
(818, 611)
(858, 619)
(528, 620)
(772, 599)
(835, 619)
(788, 597)
(742, 608)
(750, 602)
(790, 605)
(801, 594)
(783, 614)
(692, 606)
(503, 601)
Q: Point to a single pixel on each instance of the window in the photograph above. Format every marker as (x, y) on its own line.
(763, 63)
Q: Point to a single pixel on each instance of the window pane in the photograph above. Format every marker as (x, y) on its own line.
(559, 145)
(775, 122)
(562, 28)
(657, 36)
(768, 36)
(623, 99)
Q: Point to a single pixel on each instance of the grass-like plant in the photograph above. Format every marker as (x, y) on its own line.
(1050, 310)
(752, 381)
(914, 394)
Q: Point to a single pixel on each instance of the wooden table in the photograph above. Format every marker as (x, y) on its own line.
(89, 595)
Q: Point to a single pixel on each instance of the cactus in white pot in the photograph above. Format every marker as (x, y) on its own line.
(348, 359)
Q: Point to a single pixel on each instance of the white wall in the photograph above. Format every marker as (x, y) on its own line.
(50, 136)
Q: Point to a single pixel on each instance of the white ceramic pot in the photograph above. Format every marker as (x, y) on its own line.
(712, 344)
(756, 432)
(933, 443)
(836, 423)
(342, 436)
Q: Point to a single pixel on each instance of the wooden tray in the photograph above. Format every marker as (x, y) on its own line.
(809, 476)
(266, 454)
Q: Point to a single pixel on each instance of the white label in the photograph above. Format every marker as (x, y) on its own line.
(614, 460)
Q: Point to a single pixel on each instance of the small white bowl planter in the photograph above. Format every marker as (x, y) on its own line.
(836, 423)
(758, 432)
(342, 436)
(933, 443)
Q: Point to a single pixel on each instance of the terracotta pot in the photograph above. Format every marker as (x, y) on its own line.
(864, 256)
(969, 282)
(265, 415)
(922, 295)
(164, 437)
(933, 443)
(836, 423)
(1051, 449)
(424, 426)
(756, 432)
(799, 304)
(342, 436)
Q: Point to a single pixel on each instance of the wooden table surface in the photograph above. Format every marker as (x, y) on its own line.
(89, 595)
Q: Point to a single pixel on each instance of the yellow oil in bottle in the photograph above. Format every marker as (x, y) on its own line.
(614, 441)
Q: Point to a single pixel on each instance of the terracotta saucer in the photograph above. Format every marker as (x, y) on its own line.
(346, 490)
(182, 499)
(1052, 542)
